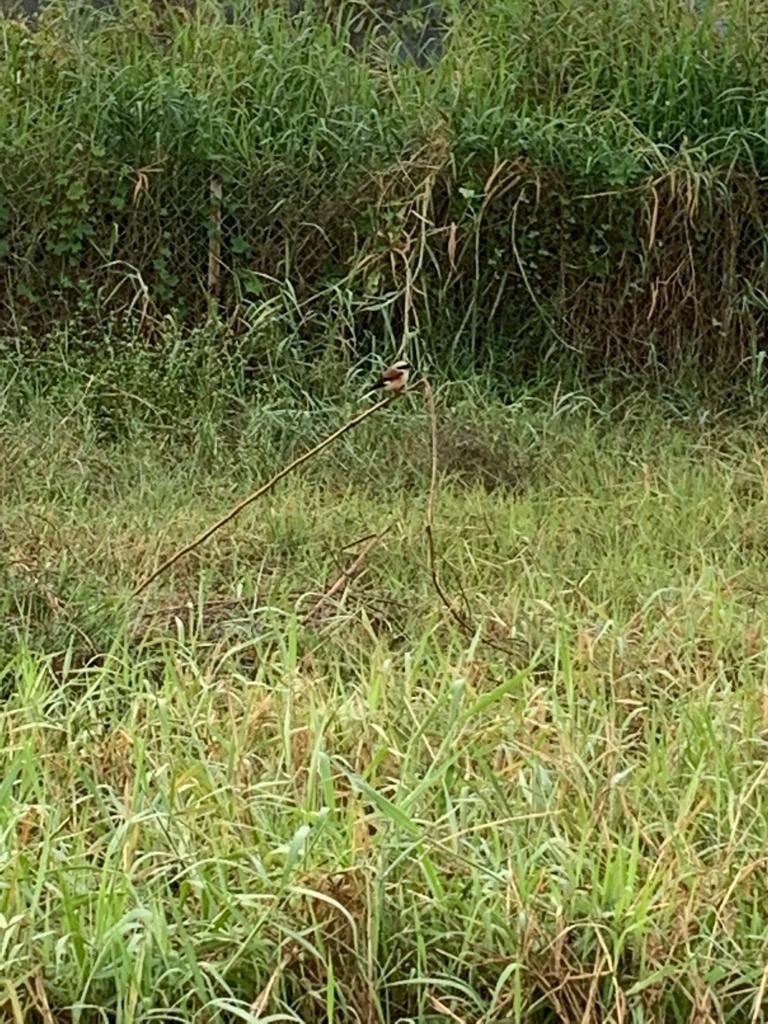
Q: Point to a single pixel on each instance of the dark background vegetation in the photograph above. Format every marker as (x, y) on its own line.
(567, 178)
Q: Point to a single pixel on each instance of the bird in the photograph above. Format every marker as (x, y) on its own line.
(394, 379)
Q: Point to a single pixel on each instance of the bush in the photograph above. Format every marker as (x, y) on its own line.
(568, 176)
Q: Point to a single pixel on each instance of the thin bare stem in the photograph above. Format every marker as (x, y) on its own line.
(431, 501)
(429, 526)
(347, 575)
(260, 492)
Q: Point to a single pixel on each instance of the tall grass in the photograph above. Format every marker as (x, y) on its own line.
(211, 810)
(567, 175)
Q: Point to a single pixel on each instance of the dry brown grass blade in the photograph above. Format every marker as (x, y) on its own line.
(36, 989)
(760, 997)
(347, 575)
(444, 1010)
(214, 240)
(259, 1004)
(258, 493)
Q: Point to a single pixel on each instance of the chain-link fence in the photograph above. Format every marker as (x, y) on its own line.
(170, 166)
(148, 192)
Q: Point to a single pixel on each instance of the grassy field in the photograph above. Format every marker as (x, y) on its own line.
(527, 788)
(211, 810)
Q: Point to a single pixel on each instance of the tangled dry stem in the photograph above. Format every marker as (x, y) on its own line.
(465, 624)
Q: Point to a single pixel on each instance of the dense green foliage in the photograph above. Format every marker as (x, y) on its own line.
(568, 174)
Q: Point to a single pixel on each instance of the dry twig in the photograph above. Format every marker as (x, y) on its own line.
(238, 508)
(464, 623)
(347, 575)
(430, 520)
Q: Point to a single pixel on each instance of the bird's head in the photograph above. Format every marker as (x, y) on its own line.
(401, 365)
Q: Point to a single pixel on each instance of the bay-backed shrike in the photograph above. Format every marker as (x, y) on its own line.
(395, 378)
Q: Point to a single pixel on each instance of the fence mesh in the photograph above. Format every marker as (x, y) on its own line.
(162, 166)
